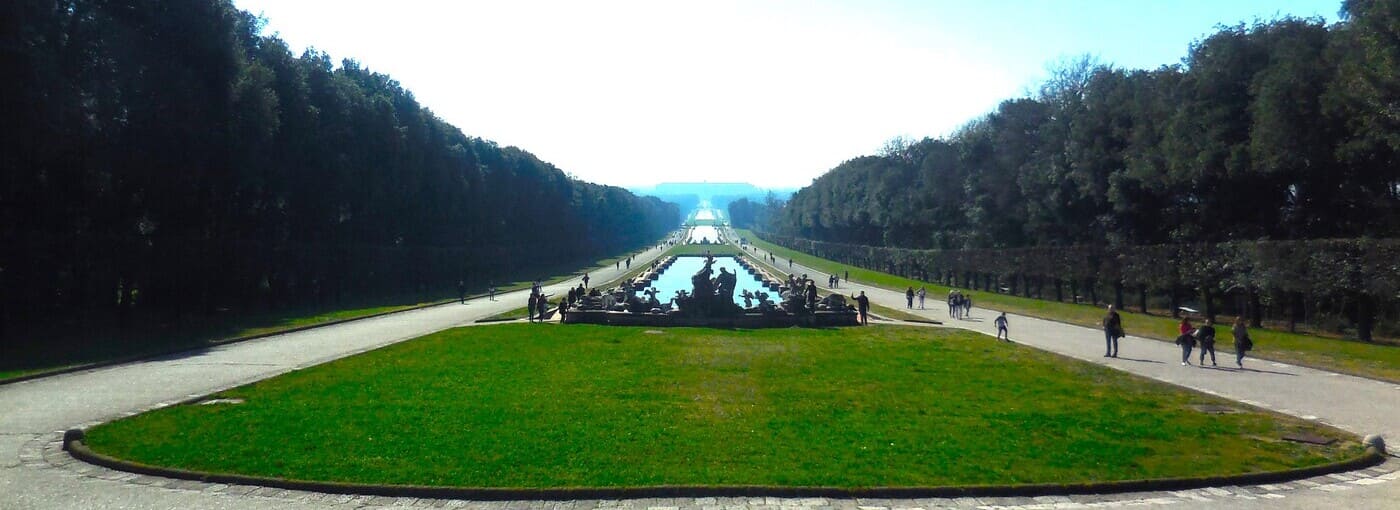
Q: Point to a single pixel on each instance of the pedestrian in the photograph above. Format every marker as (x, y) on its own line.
(1002, 333)
(491, 290)
(1186, 341)
(923, 292)
(1242, 341)
(461, 292)
(789, 262)
(1184, 327)
(811, 295)
(967, 305)
(953, 304)
(863, 306)
(617, 264)
(629, 262)
(585, 279)
(1112, 331)
(530, 306)
(847, 275)
(909, 298)
(1206, 335)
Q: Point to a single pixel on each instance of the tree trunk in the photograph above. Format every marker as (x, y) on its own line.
(1365, 317)
(1208, 299)
(1295, 312)
(1074, 290)
(1256, 312)
(1118, 295)
(1175, 302)
(1142, 298)
(1059, 290)
(1025, 286)
(1093, 292)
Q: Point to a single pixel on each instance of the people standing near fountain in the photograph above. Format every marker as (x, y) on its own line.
(811, 295)
(863, 306)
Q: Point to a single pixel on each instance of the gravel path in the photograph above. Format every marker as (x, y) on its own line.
(36, 474)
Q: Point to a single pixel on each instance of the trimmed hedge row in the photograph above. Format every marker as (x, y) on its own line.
(1354, 280)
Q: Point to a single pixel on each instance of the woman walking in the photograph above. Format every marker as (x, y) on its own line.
(1242, 341)
(923, 292)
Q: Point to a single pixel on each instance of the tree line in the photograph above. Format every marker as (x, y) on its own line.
(1266, 134)
(164, 158)
(1280, 130)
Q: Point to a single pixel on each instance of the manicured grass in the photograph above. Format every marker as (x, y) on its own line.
(1379, 361)
(531, 405)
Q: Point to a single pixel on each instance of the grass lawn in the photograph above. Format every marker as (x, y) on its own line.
(529, 405)
(1379, 361)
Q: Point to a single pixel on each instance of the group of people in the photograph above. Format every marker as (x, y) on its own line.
(959, 304)
(833, 281)
(1204, 336)
(910, 294)
(538, 305)
(1188, 338)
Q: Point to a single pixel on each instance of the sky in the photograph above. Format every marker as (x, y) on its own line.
(773, 93)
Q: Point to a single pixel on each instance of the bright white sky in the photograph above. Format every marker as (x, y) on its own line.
(774, 93)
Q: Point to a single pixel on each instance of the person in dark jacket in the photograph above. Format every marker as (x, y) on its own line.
(1112, 331)
(1206, 336)
(909, 298)
(530, 306)
(863, 306)
(1242, 341)
(1186, 341)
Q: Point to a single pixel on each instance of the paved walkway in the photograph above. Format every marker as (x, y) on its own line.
(36, 474)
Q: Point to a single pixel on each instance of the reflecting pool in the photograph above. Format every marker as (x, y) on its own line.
(677, 277)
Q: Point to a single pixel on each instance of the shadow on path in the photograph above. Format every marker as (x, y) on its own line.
(1140, 360)
(1228, 369)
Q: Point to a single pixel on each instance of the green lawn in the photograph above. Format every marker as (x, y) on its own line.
(531, 405)
(1379, 361)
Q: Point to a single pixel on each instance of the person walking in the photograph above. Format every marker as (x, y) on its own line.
(1206, 335)
(1002, 333)
(461, 292)
(491, 289)
(1242, 341)
(1186, 341)
(909, 298)
(1112, 331)
(1184, 327)
(967, 305)
(923, 292)
(847, 275)
(585, 279)
(530, 306)
(863, 306)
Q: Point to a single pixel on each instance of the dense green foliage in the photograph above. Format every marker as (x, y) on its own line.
(1280, 130)
(530, 405)
(162, 158)
(1184, 183)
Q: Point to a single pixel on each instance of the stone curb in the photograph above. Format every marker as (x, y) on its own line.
(74, 445)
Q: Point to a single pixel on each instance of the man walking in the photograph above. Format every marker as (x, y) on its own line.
(585, 279)
(461, 292)
(1206, 335)
(909, 298)
(1112, 331)
(1002, 333)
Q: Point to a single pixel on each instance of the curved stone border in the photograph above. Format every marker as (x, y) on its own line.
(74, 445)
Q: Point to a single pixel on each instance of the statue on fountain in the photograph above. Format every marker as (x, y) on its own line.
(710, 297)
